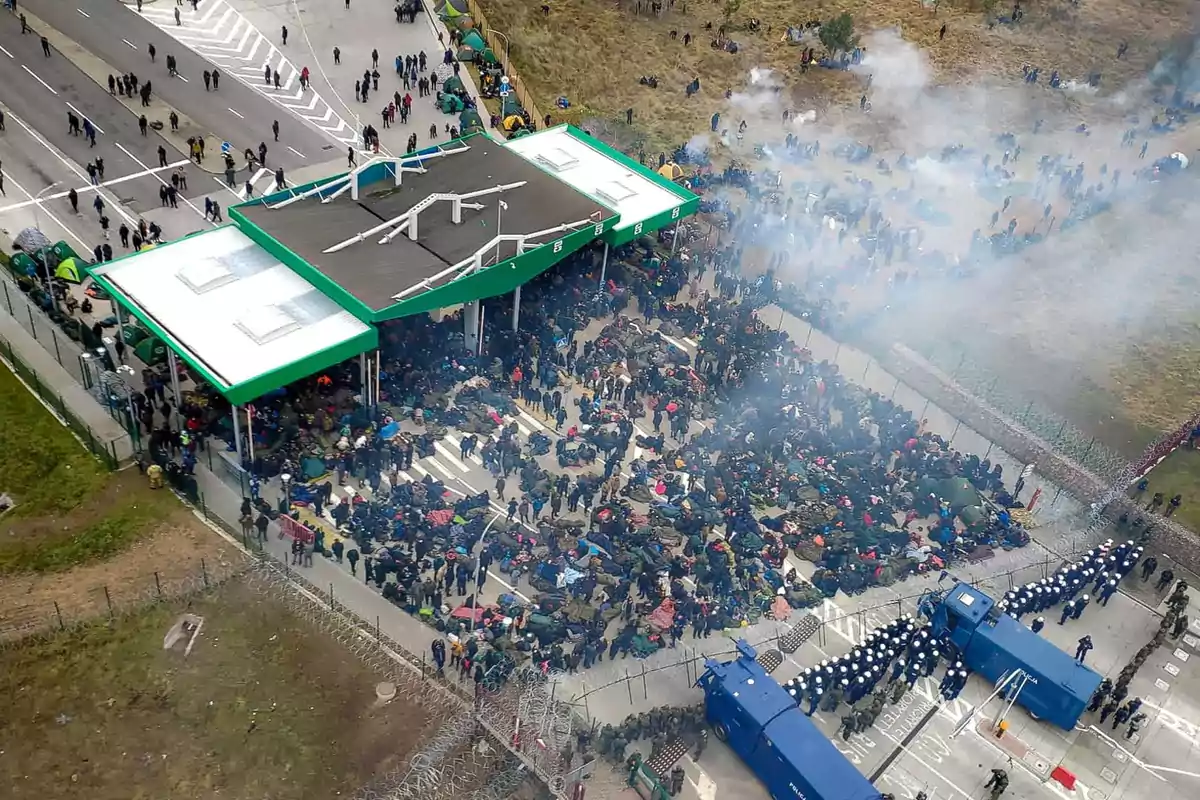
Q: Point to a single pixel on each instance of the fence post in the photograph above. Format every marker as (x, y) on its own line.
(629, 685)
(645, 689)
(1061, 428)
(58, 611)
(108, 599)
(7, 299)
(158, 585)
(377, 634)
(957, 425)
(32, 324)
(925, 409)
(866, 369)
(204, 572)
(57, 352)
(1088, 451)
(331, 604)
(837, 352)
(895, 389)
(809, 336)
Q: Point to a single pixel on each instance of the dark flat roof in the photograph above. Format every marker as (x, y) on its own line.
(372, 272)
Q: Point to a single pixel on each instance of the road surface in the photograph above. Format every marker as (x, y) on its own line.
(119, 36)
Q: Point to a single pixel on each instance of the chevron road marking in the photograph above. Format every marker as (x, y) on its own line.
(224, 36)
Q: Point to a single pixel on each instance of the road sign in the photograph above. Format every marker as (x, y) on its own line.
(504, 93)
(226, 147)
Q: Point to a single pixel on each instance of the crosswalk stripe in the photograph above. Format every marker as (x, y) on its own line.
(405, 475)
(692, 342)
(637, 452)
(530, 417)
(438, 466)
(449, 456)
(420, 470)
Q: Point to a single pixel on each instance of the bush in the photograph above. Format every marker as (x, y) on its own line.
(838, 34)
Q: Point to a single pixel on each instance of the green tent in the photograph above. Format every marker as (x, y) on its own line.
(450, 9)
(151, 351)
(134, 334)
(68, 269)
(23, 264)
(469, 121)
(473, 40)
(452, 84)
(62, 251)
(451, 104)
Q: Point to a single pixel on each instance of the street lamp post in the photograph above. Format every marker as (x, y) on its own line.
(286, 504)
(475, 577)
(37, 204)
(507, 45)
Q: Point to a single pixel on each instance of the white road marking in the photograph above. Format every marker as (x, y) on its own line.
(530, 417)
(240, 194)
(39, 80)
(672, 342)
(131, 44)
(185, 80)
(236, 114)
(89, 187)
(81, 11)
(449, 456)
(10, 55)
(87, 248)
(158, 178)
(440, 468)
(692, 342)
(640, 432)
(70, 164)
(297, 152)
(420, 470)
(85, 116)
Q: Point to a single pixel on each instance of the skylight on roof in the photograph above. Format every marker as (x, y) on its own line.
(615, 192)
(267, 324)
(204, 276)
(557, 159)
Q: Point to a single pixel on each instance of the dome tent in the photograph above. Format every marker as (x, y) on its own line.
(450, 9)
(473, 40)
(69, 270)
(469, 121)
(452, 85)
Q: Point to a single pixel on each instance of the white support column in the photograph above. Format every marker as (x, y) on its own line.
(516, 319)
(471, 325)
(237, 433)
(116, 309)
(174, 367)
(675, 238)
(604, 265)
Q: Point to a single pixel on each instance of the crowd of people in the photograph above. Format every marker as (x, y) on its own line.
(670, 490)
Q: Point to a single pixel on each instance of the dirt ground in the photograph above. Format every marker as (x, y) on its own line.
(594, 53)
(179, 555)
(263, 706)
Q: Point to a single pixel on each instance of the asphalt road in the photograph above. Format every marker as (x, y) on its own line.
(114, 33)
(41, 91)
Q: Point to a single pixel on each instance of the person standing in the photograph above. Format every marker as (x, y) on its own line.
(1085, 646)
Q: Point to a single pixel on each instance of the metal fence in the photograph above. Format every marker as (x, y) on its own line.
(106, 449)
(111, 601)
(500, 45)
(1054, 429)
(66, 351)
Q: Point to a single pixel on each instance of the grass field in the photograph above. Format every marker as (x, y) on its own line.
(593, 53)
(1179, 473)
(70, 509)
(263, 706)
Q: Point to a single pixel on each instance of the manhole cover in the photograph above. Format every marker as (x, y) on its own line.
(1108, 775)
(385, 691)
(1162, 685)
(1171, 668)
(1190, 641)
(1119, 755)
(1137, 737)
(1181, 655)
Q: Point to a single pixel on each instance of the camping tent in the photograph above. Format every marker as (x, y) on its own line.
(473, 40)
(453, 84)
(671, 171)
(469, 121)
(68, 269)
(449, 9)
(513, 122)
